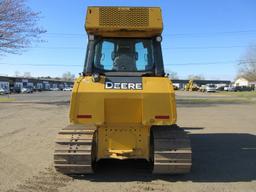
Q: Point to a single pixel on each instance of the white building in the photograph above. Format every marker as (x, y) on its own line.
(241, 81)
(39, 86)
(246, 81)
(4, 85)
(18, 84)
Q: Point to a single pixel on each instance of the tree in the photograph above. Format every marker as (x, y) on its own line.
(27, 74)
(173, 75)
(68, 76)
(18, 26)
(16, 73)
(247, 66)
(196, 77)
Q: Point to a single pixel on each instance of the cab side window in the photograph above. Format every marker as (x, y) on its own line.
(103, 59)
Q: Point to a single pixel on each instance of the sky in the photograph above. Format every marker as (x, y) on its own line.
(201, 37)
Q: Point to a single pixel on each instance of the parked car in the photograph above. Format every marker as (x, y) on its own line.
(175, 87)
(210, 88)
(202, 88)
(38, 89)
(221, 88)
(54, 89)
(30, 89)
(238, 88)
(4, 91)
(24, 90)
(7, 91)
(27, 90)
(229, 88)
(16, 90)
(243, 88)
(67, 89)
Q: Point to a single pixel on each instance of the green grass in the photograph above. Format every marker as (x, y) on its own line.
(243, 94)
(6, 99)
(215, 101)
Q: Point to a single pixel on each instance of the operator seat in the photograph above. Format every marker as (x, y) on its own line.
(124, 61)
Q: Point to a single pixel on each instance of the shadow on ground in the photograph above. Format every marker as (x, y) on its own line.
(216, 158)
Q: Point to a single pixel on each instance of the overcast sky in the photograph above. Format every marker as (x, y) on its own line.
(205, 37)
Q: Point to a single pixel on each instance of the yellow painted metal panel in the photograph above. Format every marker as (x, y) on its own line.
(124, 21)
(123, 117)
(156, 99)
(123, 141)
(123, 110)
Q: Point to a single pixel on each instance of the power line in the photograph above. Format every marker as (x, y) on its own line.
(179, 35)
(214, 33)
(212, 63)
(203, 63)
(164, 48)
(170, 64)
(67, 34)
(40, 65)
(209, 47)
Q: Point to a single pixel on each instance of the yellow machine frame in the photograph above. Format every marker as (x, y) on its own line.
(121, 21)
(123, 117)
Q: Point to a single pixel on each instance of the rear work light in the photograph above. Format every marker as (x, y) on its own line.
(84, 116)
(162, 117)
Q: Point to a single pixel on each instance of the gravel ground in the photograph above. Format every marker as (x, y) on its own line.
(45, 96)
(223, 138)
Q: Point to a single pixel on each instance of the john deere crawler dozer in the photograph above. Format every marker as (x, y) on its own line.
(123, 106)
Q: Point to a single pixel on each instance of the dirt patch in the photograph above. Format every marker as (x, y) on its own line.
(27, 136)
(46, 181)
(223, 138)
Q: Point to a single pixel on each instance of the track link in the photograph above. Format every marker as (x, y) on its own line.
(73, 149)
(172, 151)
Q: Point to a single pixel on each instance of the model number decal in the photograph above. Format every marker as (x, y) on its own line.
(128, 86)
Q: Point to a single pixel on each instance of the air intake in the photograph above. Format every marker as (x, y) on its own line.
(124, 17)
(124, 21)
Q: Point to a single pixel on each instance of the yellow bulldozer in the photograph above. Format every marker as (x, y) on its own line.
(191, 86)
(123, 105)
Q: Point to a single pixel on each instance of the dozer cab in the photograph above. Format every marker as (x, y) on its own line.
(123, 106)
